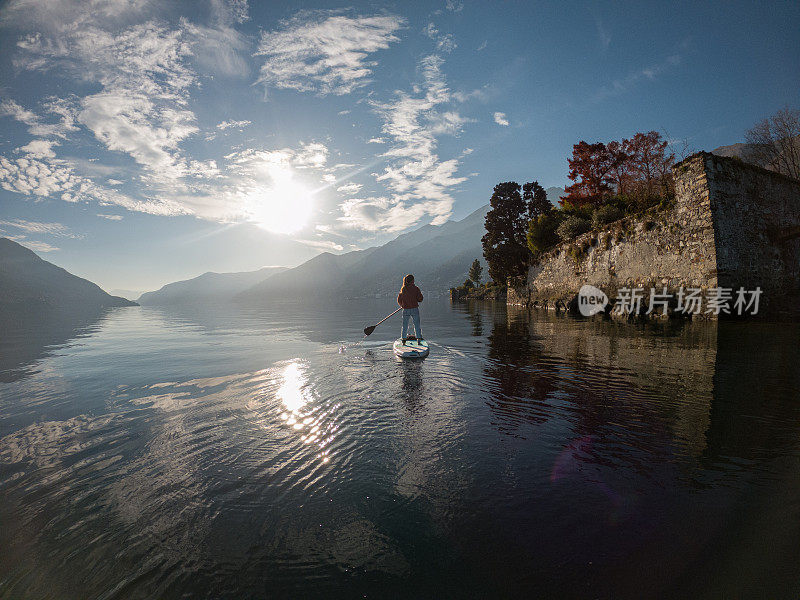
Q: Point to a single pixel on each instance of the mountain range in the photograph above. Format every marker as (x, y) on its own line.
(207, 288)
(31, 285)
(439, 256)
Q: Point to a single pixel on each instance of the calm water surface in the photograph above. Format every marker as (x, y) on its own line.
(210, 453)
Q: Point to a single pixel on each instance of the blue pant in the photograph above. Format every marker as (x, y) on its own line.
(411, 313)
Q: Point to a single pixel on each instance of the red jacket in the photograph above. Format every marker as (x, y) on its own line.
(409, 296)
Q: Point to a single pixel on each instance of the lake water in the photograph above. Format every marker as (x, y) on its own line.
(215, 453)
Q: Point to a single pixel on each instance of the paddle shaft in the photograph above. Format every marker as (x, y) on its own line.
(387, 316)
(369, 330)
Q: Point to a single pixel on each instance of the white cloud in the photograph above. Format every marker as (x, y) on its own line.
(110, 217)
(323, 244)
(219, 50)
(449, 122)
(454, 5)
(10, 108)
(376, 140)
(350, 188)
(36, 246)
(324, 51)
(483, 45)
(230, 11)
(39, 148)
(133, 124)
(418, 181)
(259, 164)
(47, 177)
(143, 75)
(56, 229)
(445, 42)
(500, 119)
(313, 155)
(633, 78)
(235, 124)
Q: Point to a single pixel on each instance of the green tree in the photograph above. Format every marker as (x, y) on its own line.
(475, 271)
(535, 198)
(542, 232)
(504, 243)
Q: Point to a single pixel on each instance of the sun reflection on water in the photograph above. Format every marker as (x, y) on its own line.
(300, 411)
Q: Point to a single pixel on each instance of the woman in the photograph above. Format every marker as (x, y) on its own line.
(409, 298)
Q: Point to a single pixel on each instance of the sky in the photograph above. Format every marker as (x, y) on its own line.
(143, 142)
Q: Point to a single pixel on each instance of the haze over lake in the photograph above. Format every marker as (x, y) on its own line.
(213, 453)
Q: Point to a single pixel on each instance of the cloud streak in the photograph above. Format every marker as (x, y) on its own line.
(635, 78)
(326, 52)
(418, 181)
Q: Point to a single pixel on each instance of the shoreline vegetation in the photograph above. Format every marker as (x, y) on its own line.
(616, 186)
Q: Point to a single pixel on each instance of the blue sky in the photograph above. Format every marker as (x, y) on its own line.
(144, 142)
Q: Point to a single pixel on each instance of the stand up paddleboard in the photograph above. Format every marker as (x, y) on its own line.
(413, 348)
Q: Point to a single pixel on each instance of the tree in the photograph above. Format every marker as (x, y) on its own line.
(775, 142)
(542, 232)
(591, 169)
(621, 172)
(504, 243)
(649, 160)
(475, 272)
(535, 198)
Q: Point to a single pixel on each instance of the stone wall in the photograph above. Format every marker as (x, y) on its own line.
(731, 225)
(756, 217)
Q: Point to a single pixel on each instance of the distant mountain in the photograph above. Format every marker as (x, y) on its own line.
(554, 194)
(208, 287)
(127, 294)
(754, 154)
(439, 256)
(740, 150)
(31, 285)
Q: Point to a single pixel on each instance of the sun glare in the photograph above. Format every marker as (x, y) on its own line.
(283, 207)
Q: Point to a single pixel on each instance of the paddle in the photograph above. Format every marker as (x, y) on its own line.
(371, 328)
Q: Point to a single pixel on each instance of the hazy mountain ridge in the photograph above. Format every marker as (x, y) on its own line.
(439, 256)
(738, 150)
(554, 194)
(208, 287)
(31, 285)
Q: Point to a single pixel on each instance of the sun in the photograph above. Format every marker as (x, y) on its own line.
(282, 207)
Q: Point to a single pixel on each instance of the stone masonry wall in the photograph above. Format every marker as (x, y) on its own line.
(731, 225)
(756, 217)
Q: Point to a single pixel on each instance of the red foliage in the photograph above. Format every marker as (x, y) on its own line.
(600, 170)
(648, 157)
(590, 168)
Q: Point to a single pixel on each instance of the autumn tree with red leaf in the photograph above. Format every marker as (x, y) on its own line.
(591, 168)
(649, 160)
(622, 170)
(639, 166)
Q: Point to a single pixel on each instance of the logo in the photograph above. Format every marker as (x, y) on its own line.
(591, 300)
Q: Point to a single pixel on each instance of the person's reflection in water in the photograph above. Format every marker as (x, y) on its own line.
(412, 385)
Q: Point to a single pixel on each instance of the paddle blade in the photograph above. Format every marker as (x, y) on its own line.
(370, 329)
